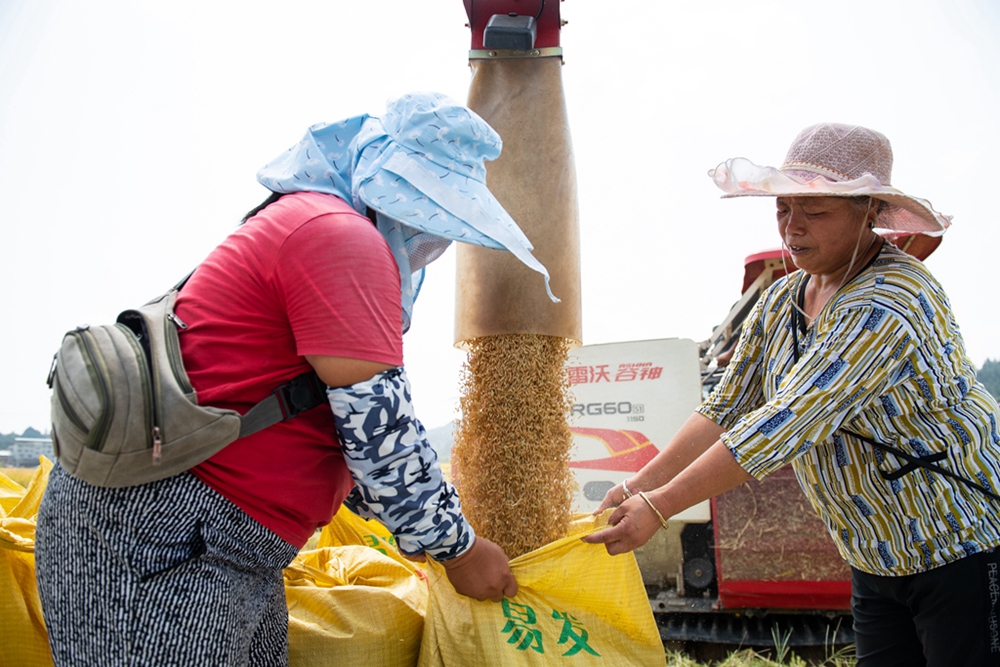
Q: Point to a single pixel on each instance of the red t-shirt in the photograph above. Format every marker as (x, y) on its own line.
(306, 276)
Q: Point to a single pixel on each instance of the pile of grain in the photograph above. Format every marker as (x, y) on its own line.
(512, 444)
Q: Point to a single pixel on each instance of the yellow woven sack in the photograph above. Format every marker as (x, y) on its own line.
(576, 605)
(355, 600)
(22, 630)
(347, 528)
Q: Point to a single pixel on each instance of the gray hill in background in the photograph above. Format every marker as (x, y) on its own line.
(441, 439)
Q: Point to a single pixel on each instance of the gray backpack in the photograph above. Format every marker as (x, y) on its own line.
(124, 412)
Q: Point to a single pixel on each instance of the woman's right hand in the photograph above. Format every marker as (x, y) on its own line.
(482, 572)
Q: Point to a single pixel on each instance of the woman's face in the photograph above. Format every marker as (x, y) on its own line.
(821, 232)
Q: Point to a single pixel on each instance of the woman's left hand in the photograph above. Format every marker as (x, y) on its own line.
(632, 524)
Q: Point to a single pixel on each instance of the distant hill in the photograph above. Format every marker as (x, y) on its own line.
(441, 439)
(7, 439)
(989, 375)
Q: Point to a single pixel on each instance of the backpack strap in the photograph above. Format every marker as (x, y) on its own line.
(184, 280)
(294, 397)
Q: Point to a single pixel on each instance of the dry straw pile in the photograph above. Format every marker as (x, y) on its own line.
(512, 444)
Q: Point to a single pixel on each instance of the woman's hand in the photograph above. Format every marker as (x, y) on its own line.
(633, 523)
(482, 572)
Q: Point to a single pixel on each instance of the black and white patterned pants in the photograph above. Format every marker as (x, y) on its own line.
(168, 573)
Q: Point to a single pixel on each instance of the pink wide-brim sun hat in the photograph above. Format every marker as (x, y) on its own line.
(835, 160)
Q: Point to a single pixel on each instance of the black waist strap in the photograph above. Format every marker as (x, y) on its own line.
(928, 462)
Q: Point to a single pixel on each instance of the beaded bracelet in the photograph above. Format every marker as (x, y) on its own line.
(663, 521)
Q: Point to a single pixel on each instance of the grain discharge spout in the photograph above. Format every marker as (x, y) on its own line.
(513, 442)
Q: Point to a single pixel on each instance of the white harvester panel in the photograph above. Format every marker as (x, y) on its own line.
(629, 400)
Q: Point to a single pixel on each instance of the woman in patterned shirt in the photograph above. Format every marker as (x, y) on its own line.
(853, 370)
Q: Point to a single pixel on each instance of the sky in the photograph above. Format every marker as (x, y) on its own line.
(131, 132)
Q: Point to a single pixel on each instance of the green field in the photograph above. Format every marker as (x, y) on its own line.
(749, 658)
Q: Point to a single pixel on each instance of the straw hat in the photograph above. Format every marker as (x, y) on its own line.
(835, 160)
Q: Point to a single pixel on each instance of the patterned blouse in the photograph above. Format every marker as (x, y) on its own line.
(884, 359)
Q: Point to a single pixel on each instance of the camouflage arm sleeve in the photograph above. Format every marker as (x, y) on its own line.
(396, 472)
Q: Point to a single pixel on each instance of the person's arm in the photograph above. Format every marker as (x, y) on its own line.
(739, 391)
(698, 438)
(398, 478)
(681, 473)
(635, 522)
(343, 372)
(838, 375)
(339, 285)
(692, 440)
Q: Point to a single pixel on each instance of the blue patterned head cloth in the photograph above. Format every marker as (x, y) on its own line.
(421, 167)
